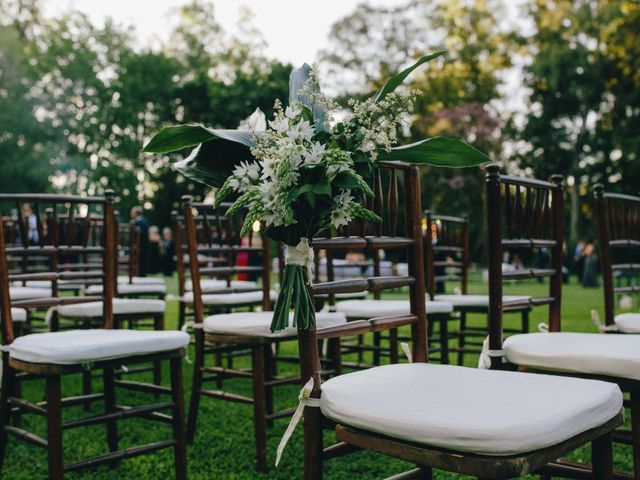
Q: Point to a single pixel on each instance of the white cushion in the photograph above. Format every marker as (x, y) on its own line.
(258, 323)
(18, 314)
(141, 280)
(360, 309)
(62, 284)
(239, 298)
(476, 300)
(210, 285)
(28, 293)
(628, 322)
(132, 288)
(591, 353)
(82, 346)
(485, 412)
(121, 306)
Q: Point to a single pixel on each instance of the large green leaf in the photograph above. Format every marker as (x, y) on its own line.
(438, 151)
(171, 139)
(398, 78)
(212, 162)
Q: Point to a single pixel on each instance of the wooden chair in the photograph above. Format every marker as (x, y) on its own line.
(220, 249)
(618, 221)
(51, 355)
(446, 244)
(489, 424)
(228, 332)
(529, 213)
(438, 312)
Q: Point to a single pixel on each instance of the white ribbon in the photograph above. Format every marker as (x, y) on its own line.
(407, 351)
(304, 400)
(595, 317)
(543, 327)
(485, 356)
(301, 254)
(49, 315)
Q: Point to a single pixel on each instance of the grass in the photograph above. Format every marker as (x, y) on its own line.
(224, 447)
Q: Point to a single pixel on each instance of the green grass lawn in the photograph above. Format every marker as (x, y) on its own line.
(224, 446)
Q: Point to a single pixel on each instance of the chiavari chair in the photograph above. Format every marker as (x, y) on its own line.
(51, 355)
(488, 424)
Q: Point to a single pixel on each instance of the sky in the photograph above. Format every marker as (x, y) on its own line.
(283, 23)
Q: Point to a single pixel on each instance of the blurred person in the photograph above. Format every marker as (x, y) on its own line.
(138, 219)
(167, 252)
(154, 249)
(32, 223)
(590, 270)
(578, 259)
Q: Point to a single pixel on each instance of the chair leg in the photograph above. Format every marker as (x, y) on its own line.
(461, 339)
(525, 321)
(635, 433)
(180, 449)
(109, 406)
(313, 444)
(158, 324)
(259, 407)
(196, 386)
(602, 457)
(54, 428)
(181, 314)
(268, 375)
(444, 339)
(87, 388)
(377, 342)
(393, 345)
(5, 410)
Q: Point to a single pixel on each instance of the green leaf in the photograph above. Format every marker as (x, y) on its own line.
(322, 188)
(212, 162)
(437, 151)
(398, 78)
(171, 139)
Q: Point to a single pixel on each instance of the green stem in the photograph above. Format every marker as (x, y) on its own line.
(294, 293)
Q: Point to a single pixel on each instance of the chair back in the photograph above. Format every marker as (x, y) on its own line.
(62, 229)
(400, 229)
(208, 245)
(128, 249)
(446, 243)
(523, 215)
(618, 218)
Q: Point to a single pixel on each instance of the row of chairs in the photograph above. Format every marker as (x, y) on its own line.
(427, 414)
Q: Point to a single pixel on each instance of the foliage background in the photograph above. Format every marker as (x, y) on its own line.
(78, 100)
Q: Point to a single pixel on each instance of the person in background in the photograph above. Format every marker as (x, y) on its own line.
(590, 271)
(32, 223)
(154, 249)
(578, 259)
(167, 252)
(138, 218)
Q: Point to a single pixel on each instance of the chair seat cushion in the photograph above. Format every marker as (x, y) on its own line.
(211, 285)
(475, 300)
(485, 412)
(28, 293)
(82, 346)
(230, 299)
(359, 309)
(62, 284)
(18, 314)
(628, 322)
(590, 353)
(141, 280)
(121, 306)
(256, 324)
(132, 289)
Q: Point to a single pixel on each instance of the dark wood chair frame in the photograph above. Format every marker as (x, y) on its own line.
(427, 458)
(263, 371)
(453, 239)
(529, 213)
(12, 406)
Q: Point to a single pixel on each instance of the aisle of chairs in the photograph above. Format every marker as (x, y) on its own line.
(71, 303)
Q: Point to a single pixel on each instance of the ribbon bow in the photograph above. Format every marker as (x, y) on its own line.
(301, 254)
(304, 400)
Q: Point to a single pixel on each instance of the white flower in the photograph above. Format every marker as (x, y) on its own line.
(314, 156)
(292, 111)
(280, 124)
(269, 196)
(269, 166)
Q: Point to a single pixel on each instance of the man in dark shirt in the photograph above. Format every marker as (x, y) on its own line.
(138, 218)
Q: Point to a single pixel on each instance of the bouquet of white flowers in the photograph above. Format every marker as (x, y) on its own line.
(307, 173)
